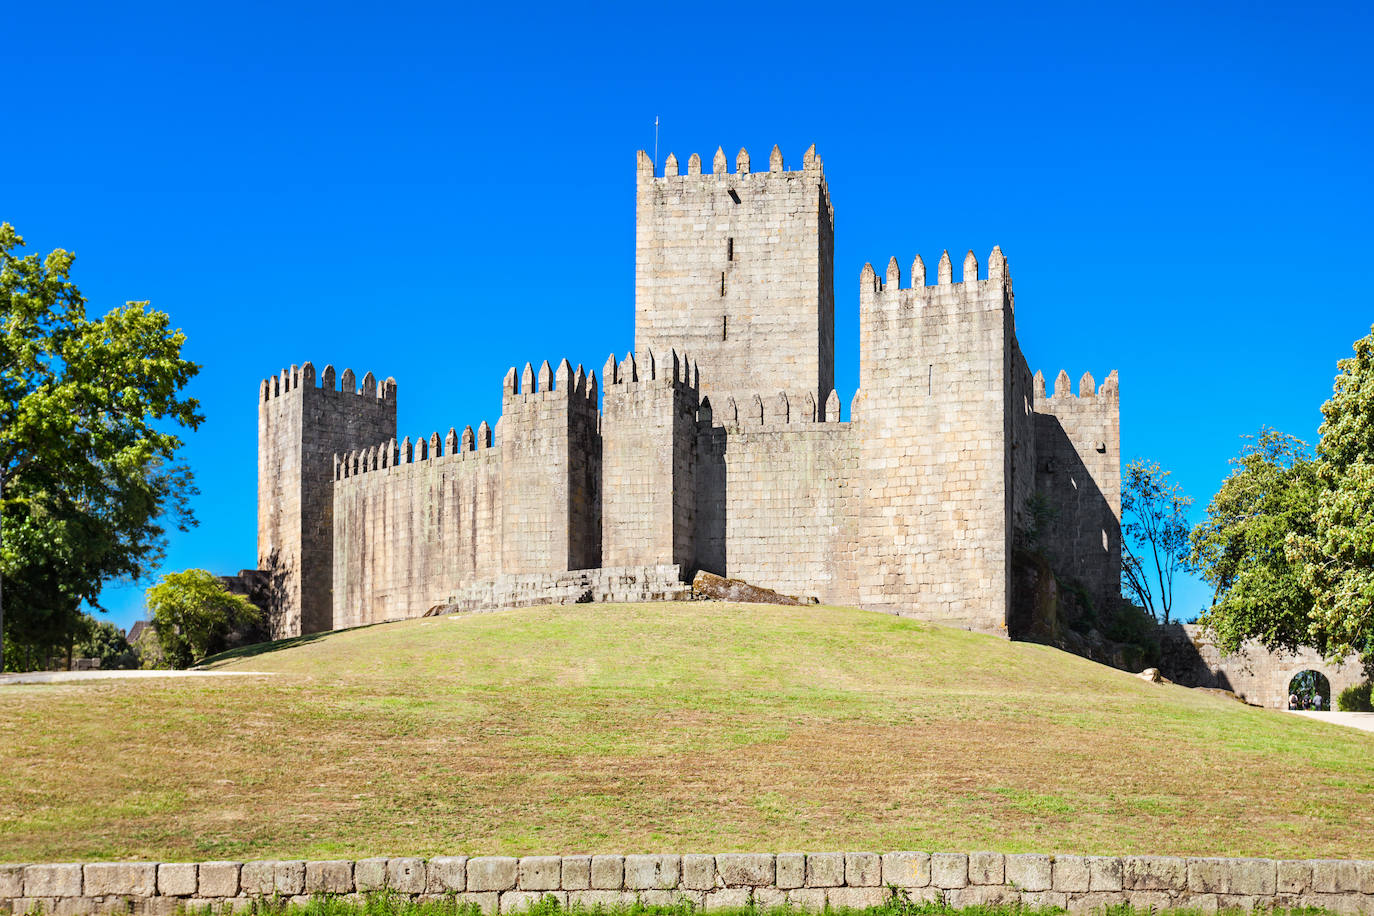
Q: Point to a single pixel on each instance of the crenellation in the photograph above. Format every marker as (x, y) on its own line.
(732, 456)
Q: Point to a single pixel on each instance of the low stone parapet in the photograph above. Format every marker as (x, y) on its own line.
(806, 881)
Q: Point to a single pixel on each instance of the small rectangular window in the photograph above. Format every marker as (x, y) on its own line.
(724, 326)
(722, 283)
(729, 249)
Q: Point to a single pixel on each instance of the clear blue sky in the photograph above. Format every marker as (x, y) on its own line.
(437, 193)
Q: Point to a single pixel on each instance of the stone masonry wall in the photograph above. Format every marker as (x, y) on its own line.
(935, 528)
(414, 525)
(1255, 674)
(735, 270)
(806, 881)
(300, 429)
(1078, 468)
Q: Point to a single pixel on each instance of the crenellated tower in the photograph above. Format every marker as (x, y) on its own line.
(737, 268)
(301, 426)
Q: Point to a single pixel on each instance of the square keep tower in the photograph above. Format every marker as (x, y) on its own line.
(736, 270)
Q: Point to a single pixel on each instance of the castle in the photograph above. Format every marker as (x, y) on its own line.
(718, 444)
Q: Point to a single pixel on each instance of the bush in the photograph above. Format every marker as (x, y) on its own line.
(1355, 699)
(193, 613)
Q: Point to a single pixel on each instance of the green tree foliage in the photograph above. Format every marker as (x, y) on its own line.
(1240, 549)
(1154, 549)
(105, 641)
(193, 613)
(89, 415)
(1337, 555)
(1355, 698)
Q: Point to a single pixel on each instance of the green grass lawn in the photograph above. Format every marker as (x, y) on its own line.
(667, 727)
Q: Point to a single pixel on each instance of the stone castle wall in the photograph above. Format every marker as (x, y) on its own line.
(807, 882)
(717, 445)
(1257, 675)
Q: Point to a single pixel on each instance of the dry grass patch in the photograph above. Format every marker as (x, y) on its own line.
(672, 727)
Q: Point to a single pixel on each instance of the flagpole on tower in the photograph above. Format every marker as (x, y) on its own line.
(655, 143)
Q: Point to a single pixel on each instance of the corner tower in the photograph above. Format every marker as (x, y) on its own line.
(735, 270)
(300, 429)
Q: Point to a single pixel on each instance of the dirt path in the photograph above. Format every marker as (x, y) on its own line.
(53, 677)
(1361, 720)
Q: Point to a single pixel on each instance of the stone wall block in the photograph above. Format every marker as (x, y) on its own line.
(1232, 876)
(1040, 900)
(288, 877)
(540, 873)
(863, 869)
(406, 875)
(906, 869)
(1104, 873)
(791, 870)
(446, 874)
(370, 874)
(52, 880)
(660, 872)
(726, 898)
(608, 873)
(1071, 874)
(11, 882)
(1329, 876)
(986, 868)
(949, 869)
(980, 895)
(825, 869)
(1154, 873)
(745, 869)
(577, 873)
(699, 872)
(519, 901)
(177, 879)
(486, 901)
(1029, 872)
(856, 898)
(256, 879)
(1294, 877)
(1095, 901)
(332, 876)
(217, 879)
(493, 873)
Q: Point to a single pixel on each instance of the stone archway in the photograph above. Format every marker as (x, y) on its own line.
(1256, 674)
(1309, 685)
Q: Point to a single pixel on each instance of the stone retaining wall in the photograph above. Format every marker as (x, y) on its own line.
(808, 881)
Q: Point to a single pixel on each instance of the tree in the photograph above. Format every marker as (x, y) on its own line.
(1240, 548)
(1337, 555)
(89, 414)
(193, 613)
(105, 641)
(1154, 513)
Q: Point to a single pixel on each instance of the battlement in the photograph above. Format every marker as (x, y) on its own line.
(565, 382)
(1087, 389)
(468, 445)
(772, 412)
(675, 372)
(645, 166)
(871, 284)
(295, 377)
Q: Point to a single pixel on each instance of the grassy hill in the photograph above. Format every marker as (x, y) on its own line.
(667, 727)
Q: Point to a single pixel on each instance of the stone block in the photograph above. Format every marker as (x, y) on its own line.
(1104, 873)
(1331, 876)
(520, 901)
(1294, 877)
(608, 873)
(982, 895)
(1203, 903)
(1071, 874)
(668, 898)
(331, 876)
(1095, 901)
(488, 902)
(84, 906)
(217, 879)
(540, 873)
(177, 879)
(576, 873)
(949, 869)
(791, 870)
(857, 898)
(11, 882)
(52, 880)
(745, 869)
(369, 874)
(1044, 900)
(256, 879)
(658, 872)
(699, 872)
(808, 899)
(1029, 872)
(906, 869)
(1154, 873)
(986, 868)
(406, 875)
(863, 869)
(446, 874)
(824, 869)
(726, 898)
(127, 879)
(1149, 901)
(606, 899)
(1232, 876)
(493, 873)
